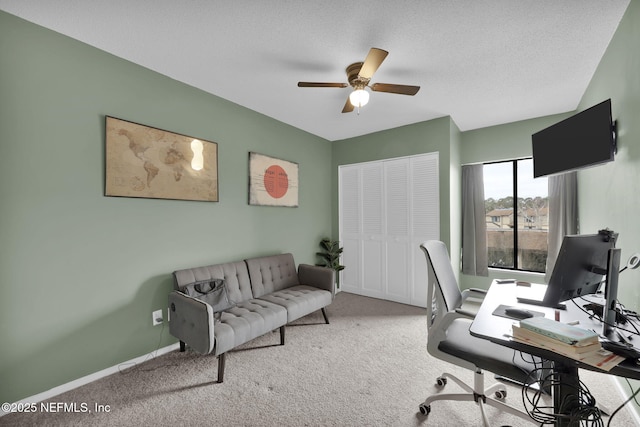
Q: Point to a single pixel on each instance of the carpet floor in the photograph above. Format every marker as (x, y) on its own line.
(369, 367)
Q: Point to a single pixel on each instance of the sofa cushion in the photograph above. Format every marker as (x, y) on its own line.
(300, 300)
(235, 275)
(272, 273)
(246, 321)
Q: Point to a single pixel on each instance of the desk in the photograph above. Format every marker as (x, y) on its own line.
(498, 330)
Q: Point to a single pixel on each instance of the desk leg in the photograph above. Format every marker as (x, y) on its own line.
(566, 393)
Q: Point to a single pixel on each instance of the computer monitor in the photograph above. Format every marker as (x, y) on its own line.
(580, 266)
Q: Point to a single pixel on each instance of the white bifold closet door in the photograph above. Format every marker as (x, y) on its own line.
(387, 208)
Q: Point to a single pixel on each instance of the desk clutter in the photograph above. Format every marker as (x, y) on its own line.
(570, 341)
(558, 331)
(603, 342)
(513, 312)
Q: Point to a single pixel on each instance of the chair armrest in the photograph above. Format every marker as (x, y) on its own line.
(320, 277)
(466, 313)
(448, 318)
(438, 331)
(471, 300)
(191, 321)
(474, 293)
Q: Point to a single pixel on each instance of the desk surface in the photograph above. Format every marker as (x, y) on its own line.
(498, 329)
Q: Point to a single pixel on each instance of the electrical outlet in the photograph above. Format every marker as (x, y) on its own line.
(156, 317)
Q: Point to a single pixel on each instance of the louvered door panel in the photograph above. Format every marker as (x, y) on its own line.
(397, 220)
(387, 208)
(425, 216)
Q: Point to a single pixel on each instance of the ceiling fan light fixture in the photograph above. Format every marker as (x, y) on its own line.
(359, 97)
(359, 75)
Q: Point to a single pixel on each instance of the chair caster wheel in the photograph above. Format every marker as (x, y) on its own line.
(441, 381)
(501, 394)
(425, 409)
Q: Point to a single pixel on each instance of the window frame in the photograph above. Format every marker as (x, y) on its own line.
(514, 175)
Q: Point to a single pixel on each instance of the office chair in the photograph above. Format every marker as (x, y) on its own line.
(449, 339)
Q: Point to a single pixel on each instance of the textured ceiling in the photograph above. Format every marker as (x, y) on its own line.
(482, 62)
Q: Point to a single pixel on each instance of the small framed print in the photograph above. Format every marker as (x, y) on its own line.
(272, 181)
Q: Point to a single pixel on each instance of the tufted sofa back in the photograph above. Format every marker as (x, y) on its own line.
(235, 275)
(272, 273)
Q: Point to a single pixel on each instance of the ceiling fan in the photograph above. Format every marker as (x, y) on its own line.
(358, 75)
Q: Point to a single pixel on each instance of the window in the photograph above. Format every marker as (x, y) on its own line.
(517, 215)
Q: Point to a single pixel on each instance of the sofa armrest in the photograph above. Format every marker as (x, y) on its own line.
(191, 321)
(320, 277)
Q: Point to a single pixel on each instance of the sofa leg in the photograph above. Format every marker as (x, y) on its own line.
(282, 329)
(221, 361)
(324, 313)
(183, 346)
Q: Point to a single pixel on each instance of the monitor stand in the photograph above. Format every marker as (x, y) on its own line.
(611, 293)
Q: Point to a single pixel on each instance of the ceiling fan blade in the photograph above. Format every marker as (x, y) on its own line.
(310, 84)
(400, 89)
(347, 107)
(372, 62)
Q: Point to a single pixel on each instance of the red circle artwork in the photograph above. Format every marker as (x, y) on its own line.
(276, 181)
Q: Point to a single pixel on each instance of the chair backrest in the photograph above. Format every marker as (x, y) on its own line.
(442, 284)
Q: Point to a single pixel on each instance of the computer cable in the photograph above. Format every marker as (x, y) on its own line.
(128, 367)
(598, 316)
(538, 364)
(628, 315)
(532, 401)
(585, 410)
(532, 360)
(632, 397)
(632, 392)
(595, 309)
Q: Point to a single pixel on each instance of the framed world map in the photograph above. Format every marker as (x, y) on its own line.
(272, 181)
(147, 162)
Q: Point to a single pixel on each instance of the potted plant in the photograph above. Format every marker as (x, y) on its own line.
(330, 255)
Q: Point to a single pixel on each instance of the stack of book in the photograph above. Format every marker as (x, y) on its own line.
(570, 341)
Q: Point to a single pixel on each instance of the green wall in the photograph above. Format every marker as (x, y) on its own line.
(607, 195)
(503, 142)
(80, 273)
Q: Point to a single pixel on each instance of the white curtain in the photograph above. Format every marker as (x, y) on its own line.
(563, 214)
(474, 227)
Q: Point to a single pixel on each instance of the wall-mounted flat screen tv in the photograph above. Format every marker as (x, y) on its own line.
(585, 139)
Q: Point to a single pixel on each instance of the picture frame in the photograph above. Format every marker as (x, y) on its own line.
(147, 162)
(272, 181)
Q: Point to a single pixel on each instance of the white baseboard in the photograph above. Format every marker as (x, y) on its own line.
(380, 295)
(625, 394)
(95, 376)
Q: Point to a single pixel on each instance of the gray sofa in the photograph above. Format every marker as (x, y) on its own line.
(266, 293)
